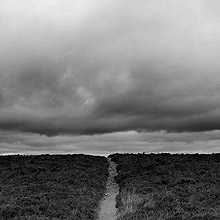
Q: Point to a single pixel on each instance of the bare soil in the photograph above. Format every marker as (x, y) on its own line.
(107, 209)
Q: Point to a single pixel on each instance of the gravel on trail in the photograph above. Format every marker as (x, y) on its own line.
(107, 209)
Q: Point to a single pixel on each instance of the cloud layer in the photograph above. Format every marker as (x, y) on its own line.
(105, 144)
(82, 67)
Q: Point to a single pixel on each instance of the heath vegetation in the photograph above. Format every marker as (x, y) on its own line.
(166, 187)
(51, 186)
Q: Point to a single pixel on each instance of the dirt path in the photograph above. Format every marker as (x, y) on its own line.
(107, 207)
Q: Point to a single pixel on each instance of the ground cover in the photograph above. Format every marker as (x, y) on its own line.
(165, 186)
(51, 186)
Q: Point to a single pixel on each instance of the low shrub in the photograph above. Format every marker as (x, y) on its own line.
(51, 186)
(165, 186)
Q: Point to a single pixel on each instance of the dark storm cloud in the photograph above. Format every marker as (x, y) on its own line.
(78, 67)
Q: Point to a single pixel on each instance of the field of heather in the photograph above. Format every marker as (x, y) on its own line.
(51, 186)
(71, 187)
(168, 187)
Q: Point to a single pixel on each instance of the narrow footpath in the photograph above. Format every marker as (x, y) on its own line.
(107, 209)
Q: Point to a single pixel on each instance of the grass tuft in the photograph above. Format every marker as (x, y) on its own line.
(132, 201)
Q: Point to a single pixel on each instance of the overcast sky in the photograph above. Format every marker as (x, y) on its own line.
(102, 76)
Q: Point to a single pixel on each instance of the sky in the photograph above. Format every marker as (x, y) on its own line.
(105, 76)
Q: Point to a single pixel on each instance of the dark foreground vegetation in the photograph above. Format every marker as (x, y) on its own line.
(51, 186)
(164, 186)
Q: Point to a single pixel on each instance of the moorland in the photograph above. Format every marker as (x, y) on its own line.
(165, 186)
(51, 186)
(151, 186)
